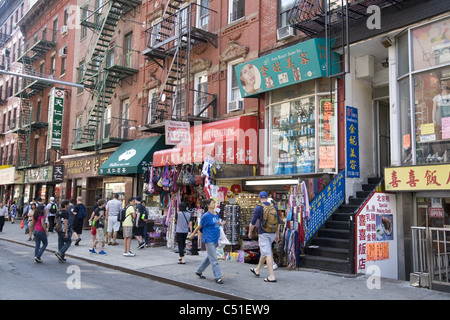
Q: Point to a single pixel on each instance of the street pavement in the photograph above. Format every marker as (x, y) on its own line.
(161, 264)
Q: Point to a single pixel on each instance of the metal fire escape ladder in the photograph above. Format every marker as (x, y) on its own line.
(98, 78)
(169, 45)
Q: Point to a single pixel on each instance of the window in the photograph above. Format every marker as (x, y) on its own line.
(78, 128)
(84, 15)
(235, 101)
(63, 65)
(125, 125)
(129, 50)
(153, 101)
(55, 30)
(52, 65)
(107, 122)
(200, 93)
(284, 8)
(203, 15)
(236, 10)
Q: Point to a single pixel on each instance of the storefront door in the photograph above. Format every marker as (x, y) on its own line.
(382, 134)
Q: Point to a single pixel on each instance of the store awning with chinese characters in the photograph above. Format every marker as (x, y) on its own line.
(133, 156)
(301, 62)
(417, 178)
(232, 141)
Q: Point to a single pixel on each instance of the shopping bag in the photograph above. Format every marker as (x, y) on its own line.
(22, 224)
(223, 240)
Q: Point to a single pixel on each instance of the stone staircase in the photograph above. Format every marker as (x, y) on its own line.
(331, 247)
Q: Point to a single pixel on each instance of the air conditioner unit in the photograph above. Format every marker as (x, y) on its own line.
(64, 30)
(235, 105)
(285, 32)
(63, 52)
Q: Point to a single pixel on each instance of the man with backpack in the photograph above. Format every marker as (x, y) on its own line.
(62, 227)
(50, 211)
(269, 221)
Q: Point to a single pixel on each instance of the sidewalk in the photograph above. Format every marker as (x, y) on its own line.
(160, 263)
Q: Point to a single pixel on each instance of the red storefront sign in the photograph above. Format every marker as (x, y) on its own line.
(232, 141)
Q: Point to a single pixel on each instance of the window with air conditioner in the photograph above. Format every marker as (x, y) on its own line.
(235, 101)
(284, 30)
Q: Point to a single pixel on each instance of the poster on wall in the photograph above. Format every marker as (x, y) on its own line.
(376, 235)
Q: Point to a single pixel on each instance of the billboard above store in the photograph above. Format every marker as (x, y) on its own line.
(301, 62)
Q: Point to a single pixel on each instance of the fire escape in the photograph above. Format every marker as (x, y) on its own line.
(170, 41)
(29, 121)
(105, 67)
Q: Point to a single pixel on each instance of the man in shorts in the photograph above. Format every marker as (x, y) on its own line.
(127, 228)
(265, 239)
(113, 208)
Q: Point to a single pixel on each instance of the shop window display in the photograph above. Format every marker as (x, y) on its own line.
(432, 111)
(292, 134)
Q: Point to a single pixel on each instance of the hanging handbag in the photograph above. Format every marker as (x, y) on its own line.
(198, 176)
(166, 178)
(180, 176)
(188, 178)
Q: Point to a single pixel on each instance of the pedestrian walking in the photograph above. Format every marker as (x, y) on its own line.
(92, 222)
(30, 220)
(51, 209)
(127, 228)
(79, 212)
(40, 233)
(269, 221)
(210, 228)
(140, 221)
(13, 212)
(182, 228)
(3, 215)
(62, 227)
(113, 208)
(99, 219)
(145, 225)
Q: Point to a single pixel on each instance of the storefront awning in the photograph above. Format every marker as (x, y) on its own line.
(301, 62)
(132, 157)
(233, 141)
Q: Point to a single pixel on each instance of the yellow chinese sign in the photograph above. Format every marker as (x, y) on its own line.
(436, 177)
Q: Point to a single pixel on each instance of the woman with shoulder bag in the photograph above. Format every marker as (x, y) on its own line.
(183, 226)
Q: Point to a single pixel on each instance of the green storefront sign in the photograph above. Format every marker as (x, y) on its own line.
(55, 114)
(301, 62)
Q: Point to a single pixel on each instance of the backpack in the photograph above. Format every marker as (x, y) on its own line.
(270, 218)
(59, 223)
(122, 214)
(81, 214)
(53, 208)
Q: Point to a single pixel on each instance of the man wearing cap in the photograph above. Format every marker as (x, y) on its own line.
(265, 239)
(50, 212)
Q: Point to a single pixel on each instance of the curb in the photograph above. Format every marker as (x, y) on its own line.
(153, 277)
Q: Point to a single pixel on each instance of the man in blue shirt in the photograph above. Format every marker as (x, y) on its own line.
(265, 239)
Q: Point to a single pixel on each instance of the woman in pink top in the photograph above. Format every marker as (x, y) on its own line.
(40, 233)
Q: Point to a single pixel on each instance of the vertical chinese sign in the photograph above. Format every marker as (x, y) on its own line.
(376, 235)
(55, 118)
(352, 140)
(327, 134)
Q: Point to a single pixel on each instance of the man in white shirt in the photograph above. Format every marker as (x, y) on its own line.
(3, 214)
(113, 208)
